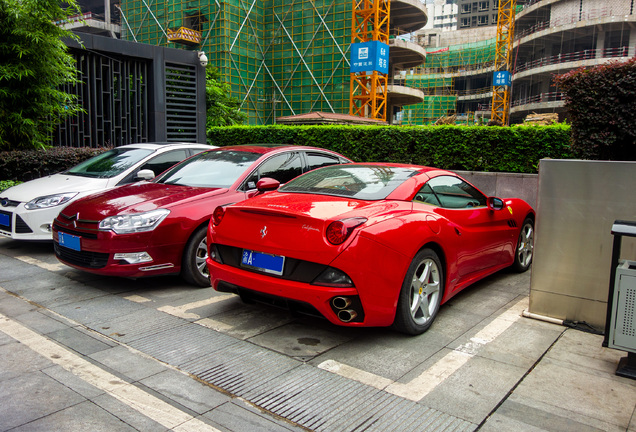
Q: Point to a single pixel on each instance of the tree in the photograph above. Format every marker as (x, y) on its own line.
(222, 109)
(601, 103)
(34, 67)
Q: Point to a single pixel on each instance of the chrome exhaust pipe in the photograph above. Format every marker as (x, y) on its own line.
(347, 315)
(341, 302)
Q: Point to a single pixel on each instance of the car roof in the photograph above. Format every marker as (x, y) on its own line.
(420, 168)
(268, 148)
(158, 145)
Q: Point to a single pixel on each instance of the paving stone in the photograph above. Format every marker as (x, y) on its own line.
(127, 414)
(127, 363)
(97, 310)
(301, 341)
(11, 306)
(17, 359)
(185, 390)
(72, 381)
(475, 389)
(28, 397)
(79, 341)
(85, 416)
(237, 416)
(42, 321)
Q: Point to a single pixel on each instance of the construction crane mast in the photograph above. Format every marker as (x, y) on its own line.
(368, 88)
(503, 62)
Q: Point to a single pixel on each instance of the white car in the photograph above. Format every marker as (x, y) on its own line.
(28, 209)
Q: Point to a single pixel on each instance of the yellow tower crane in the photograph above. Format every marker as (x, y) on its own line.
(503, 62)
(368, 88)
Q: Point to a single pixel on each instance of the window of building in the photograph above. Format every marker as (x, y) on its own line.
(483, 6)
(494, 19)
(465, 22)
(466, 8)
(482, 20)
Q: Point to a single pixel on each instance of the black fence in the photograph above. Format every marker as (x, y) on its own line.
(132, 92)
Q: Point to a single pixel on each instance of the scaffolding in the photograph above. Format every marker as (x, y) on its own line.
(280, 57)
(438, 77)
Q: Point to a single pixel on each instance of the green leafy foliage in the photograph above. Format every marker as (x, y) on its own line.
(6, 184)
(30, 164)
(472, 148)
(34, 65)
(601, 104)
(222, 109)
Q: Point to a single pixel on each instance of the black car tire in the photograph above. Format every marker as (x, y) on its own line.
(194, 270)
(525, 247)
(421, 294)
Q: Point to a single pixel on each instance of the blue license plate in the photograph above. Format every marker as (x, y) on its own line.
(5, 219)
(69, 241)
(264, 262)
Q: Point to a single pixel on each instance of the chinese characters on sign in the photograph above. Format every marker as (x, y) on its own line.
(369, 56)
(501, 78)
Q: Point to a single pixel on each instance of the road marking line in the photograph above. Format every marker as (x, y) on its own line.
(145, 403)
(214, 324)
(137, 299)
(41, 264)
(420, 386)
(182, 311)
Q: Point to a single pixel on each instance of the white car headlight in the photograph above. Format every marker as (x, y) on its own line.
(49, 200)
(133, 223)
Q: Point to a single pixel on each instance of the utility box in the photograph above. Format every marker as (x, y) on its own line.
(620, 325)
(622, 334)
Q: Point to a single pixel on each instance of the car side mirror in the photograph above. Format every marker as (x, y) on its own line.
(267, 184)
(495, 203)
(145, 174)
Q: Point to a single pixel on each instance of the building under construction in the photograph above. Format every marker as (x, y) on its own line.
(281, 57)
(550, 37)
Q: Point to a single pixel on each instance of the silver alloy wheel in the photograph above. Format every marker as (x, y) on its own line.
(201, 255)
(425, 291)
(526, 245)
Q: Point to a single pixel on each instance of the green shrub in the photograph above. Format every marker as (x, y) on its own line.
(30, 164)
(6, 184)
(470, 148)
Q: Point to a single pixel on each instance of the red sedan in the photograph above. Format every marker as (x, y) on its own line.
(368, 244)
(159, 227)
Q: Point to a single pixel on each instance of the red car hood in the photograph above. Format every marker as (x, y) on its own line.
(137, 198)
(295, 224)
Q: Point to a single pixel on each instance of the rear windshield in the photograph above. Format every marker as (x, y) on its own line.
(365, 182)
(111, 163)
(213, 169)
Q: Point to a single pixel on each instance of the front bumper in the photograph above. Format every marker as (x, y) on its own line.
(20, 224)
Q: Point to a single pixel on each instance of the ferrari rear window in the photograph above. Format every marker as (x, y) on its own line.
(365, 182)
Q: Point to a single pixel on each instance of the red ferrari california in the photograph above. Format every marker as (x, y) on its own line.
(159, 227)
(367, 244)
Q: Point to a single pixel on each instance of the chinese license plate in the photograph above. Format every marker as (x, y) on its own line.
(69, 241)
(264, 262)
(5, 219)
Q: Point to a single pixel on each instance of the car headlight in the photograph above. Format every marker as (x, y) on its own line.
(133, 223)
(50, 200)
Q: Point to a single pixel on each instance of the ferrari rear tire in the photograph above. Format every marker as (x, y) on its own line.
(194, 268)
(525, 247)
(421, 294)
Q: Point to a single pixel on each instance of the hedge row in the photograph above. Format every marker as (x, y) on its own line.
(23, 165)
(472, 148)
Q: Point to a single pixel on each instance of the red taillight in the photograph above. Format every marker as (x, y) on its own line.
(218, 214)
(338, 231)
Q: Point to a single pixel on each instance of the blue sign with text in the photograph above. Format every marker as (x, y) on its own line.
(502, 78)
(369, 56)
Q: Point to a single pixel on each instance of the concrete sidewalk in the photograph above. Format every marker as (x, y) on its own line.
(57, 374)
(79, 354)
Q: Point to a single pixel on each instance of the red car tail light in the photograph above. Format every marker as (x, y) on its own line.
(338, 231)
(218, 214)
